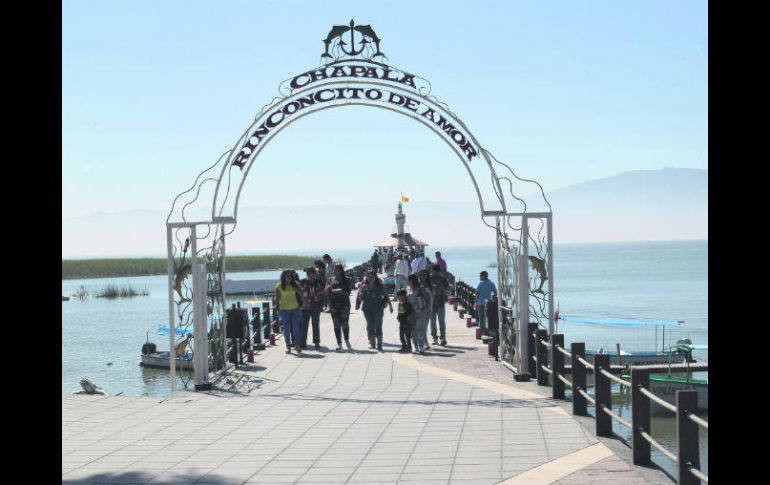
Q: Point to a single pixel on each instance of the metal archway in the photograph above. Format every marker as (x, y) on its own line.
(197, 248)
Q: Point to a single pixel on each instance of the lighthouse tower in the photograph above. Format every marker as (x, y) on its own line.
(400, 219)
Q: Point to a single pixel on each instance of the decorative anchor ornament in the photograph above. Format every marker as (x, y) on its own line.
(364, 30)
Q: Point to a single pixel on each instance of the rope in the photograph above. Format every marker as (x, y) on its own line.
(697, 473)
(657, 445)
(534, 358)
(585, 363)
(615, 379)
(585, 395)
(546, 369)
(564, 380)
(698, 420)
(543, 342)
(618, 418)
(657, 399)
(558, 347)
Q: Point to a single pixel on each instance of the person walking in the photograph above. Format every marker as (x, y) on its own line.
(405, 320)
(311, 289)
(338, 289)
(375, 261)
(402, 272)
(287, 301)
(484, 290)
(442, 263)
(418, 263)
(373, 299)
(428, 296)
(440, 287)
(417, 298)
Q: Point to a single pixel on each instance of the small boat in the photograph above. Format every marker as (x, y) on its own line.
(665, 387)
(641, 357)
(161, 360)
(150, 356)
(677, 354)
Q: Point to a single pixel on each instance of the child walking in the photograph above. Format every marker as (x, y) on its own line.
(405, 313)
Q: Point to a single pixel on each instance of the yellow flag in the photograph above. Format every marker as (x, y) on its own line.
(404, 198)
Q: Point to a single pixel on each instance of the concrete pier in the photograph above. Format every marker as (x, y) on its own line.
(453, 415)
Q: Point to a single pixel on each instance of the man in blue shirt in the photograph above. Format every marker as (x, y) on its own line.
(484, 290)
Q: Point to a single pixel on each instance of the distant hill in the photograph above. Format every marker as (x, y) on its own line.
(666, 204)
(671, 203)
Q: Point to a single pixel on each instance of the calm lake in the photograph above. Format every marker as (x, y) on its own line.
(102, 339)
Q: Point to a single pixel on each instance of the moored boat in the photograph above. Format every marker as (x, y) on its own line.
(666, 386)
(161, 360)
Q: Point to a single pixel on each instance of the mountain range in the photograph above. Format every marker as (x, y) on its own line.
(665, 204)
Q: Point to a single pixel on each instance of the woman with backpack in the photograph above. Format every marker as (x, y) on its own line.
(373, 298)
(338, 290)
(420, 301)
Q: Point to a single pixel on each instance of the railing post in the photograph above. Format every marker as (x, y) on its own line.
(579, 403)
(687, 437)
(603, 395)
(640, 416)
(531, 348)
(557, 365)
(542, 357)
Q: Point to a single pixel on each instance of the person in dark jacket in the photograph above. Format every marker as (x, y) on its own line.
(338, 290)
(373, 298)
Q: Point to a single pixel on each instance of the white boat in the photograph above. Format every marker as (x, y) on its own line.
(666, 386)
(641, 357)
(161, 360)
(152, 358)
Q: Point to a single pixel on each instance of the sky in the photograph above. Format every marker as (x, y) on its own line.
(564, 92)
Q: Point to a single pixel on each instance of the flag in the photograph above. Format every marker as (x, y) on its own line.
(404, 198)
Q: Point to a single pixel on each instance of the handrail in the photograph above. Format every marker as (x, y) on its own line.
(558, 347)
(586, 396)
(615, 379)
(687, 436)
(657, 399)
(618, 418)
(657, 445)
(585, 363)
(698, 474)
(697, 419)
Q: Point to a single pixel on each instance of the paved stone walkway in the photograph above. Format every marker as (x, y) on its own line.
(355, 417)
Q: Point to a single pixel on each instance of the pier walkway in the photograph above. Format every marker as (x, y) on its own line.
(451, 416)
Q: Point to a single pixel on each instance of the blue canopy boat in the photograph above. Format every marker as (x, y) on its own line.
(675, 355)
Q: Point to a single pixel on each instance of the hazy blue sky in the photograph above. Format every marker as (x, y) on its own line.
(153, 92)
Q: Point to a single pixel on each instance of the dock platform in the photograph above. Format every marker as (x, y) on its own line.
(451, 416)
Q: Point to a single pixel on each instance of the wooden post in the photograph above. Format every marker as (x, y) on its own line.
(620, 362)
(579, 403)
(557, 365)
(531, 348)
(640, 416)
(603, 395)
(542, 357)
(687, 436)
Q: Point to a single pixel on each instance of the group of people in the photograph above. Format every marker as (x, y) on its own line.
(301, 302)
(422, 297)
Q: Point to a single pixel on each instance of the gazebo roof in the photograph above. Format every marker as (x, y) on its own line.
(392, 241)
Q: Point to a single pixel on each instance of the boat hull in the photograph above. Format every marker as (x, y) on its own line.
(160, 360)
(666, 387)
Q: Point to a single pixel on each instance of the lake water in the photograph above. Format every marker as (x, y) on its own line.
(102, 339)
